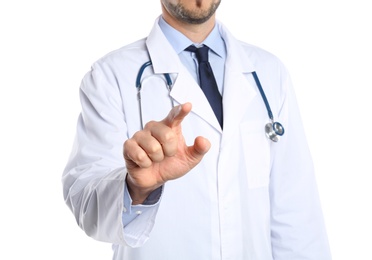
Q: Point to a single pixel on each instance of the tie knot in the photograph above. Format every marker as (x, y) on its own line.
(201, 53)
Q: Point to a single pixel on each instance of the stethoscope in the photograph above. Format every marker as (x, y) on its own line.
(273, 130)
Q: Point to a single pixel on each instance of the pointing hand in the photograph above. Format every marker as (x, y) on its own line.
(158, 153)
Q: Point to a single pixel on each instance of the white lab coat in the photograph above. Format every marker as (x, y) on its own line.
(249, 198)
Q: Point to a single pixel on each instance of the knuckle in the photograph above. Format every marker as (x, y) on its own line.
(142, 160)
(155, 148)
(169, 137)
(138, 135)
(150, 125)
(127, 144)
(140, 157)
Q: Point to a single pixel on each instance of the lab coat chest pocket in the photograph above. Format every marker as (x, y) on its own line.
(256, 153)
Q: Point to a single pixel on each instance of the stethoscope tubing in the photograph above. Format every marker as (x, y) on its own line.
(262, 92)
(273, 130)
(142, 69)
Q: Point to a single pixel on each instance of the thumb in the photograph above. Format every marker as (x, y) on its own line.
(198, 150)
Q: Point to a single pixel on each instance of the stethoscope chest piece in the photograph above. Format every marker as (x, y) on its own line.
(274, 131)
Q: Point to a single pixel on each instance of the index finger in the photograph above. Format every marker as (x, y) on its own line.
(177, 114)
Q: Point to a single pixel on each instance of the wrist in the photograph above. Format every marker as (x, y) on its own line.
(137, 193)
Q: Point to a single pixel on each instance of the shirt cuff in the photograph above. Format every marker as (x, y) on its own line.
(130, 212)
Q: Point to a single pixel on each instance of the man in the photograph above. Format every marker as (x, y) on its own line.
(193, 186)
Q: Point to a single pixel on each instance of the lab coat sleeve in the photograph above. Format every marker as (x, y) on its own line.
(94, 178)
(297, 227)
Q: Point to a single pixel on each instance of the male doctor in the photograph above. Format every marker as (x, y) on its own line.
(161, 178)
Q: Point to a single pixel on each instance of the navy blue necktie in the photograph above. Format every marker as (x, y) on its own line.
(207, 81)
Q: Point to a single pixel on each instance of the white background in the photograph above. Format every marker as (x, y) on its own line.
(46, 47)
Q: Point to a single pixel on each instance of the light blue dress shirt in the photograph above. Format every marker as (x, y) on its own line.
(217, 57)
(217, 53)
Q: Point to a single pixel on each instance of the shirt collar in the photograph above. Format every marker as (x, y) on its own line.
(180, 42)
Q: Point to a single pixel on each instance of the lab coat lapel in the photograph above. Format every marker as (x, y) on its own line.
(185, 88)
(238, 93)
(238, 89)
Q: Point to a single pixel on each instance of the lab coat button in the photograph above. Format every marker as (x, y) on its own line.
(138, 212)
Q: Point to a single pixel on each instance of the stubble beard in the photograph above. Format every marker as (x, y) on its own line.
(194, 16)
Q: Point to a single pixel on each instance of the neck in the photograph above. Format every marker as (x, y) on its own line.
(197, 33)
